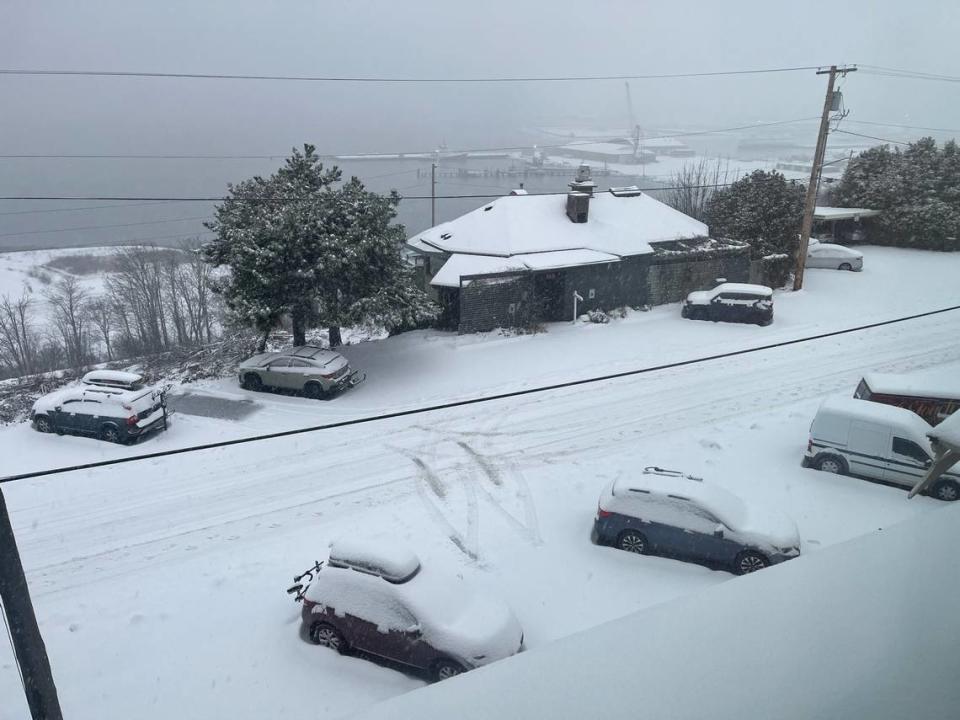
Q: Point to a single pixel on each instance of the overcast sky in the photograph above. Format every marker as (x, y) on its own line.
(365, 38)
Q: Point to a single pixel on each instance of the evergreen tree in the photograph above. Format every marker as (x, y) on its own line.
(762, 209)
(298, 245)
(917, 191)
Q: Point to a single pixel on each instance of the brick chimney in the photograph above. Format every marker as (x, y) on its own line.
(578, 199)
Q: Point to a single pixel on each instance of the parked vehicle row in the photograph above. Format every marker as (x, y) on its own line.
(378, 600)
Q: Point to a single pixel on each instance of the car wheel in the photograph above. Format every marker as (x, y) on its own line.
(947, 490)
(446, 669)
(314, 390)
(110, 433)
(252, 381)
(632, 541)
(845, 266)
(748, 562)
(327, 635)
(831, 464)
(42, 423)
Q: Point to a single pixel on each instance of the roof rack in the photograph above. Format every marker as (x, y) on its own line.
(654, 470)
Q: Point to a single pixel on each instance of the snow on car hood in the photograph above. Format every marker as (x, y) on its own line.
(700, 297)
(458, 620)
(769, 526)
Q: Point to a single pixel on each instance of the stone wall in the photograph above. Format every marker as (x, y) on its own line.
(505, 300)
(671, 277)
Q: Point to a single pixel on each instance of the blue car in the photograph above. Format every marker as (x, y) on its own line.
(664, 512)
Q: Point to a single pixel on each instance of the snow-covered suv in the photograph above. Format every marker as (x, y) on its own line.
(113, 406)
(665, 512)
(731, 302)
(378, 599)
(314, 371)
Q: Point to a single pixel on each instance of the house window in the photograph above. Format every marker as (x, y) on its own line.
(592, 294)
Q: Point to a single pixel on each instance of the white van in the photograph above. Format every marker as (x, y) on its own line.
(859, 437)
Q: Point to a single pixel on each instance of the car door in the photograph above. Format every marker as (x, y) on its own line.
(298, 373)
(89, 416)
(718, 310)
(382, 625)
(701, 541)
(278, 373)
(815, 257)
(907, 463)
(67, 415)
(868, 449)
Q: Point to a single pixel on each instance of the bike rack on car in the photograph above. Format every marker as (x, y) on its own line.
(303, 580)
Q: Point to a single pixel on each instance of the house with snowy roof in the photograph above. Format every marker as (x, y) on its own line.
(523, 259)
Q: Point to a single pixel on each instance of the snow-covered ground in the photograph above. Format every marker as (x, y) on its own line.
(160, 584)
(29, 271)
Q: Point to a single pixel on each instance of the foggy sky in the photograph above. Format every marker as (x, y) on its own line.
(368, 38)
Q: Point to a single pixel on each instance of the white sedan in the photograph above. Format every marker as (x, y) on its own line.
(833, 257)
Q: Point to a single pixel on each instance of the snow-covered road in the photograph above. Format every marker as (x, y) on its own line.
(159, 584)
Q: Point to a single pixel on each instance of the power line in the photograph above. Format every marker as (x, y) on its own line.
(871, 137)
(901, 125)
(400, 155)
(471, 401)
(100, 227)
(383, 79)
(79, 209)
(907, 74)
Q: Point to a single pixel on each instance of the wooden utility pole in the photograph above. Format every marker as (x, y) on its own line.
(811, 199)
(28, 647)
(433, 194)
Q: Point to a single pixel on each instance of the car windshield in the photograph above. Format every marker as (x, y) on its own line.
(538, 294)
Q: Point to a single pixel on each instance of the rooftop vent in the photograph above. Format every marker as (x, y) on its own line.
(582, 182)
(630, 191)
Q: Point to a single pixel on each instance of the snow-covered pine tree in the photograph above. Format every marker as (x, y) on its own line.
(296, 244)
(762, 209)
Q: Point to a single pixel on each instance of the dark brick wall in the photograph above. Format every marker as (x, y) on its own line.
(613, 284)
(671, 277)
(485, 303)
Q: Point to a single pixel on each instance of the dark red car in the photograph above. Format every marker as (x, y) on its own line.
(382, 602)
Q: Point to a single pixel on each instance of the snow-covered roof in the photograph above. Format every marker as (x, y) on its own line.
(825, 212)
(723, 504)
(460, 264)
(877, 412)
(515, 225)
(936, 383)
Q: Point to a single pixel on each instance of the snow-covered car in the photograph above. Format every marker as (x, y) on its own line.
(873, 440)
(731, 302)
(314, 371)
(833, 257)
(113, 414)
(664, 512)
(378, 599)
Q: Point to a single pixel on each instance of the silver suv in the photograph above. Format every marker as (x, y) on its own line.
(316, 372)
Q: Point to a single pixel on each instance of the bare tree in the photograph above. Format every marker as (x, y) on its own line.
(70, 318)
(136, 293)
(102, 319)
(692, 186)
(18, 338)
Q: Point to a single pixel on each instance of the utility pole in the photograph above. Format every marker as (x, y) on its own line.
(811, 199)
(433, 194)
(28, 647)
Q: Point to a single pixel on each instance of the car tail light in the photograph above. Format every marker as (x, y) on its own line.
(601, 513)
(132, 420)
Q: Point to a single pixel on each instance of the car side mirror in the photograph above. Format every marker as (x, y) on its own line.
(718, 531)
